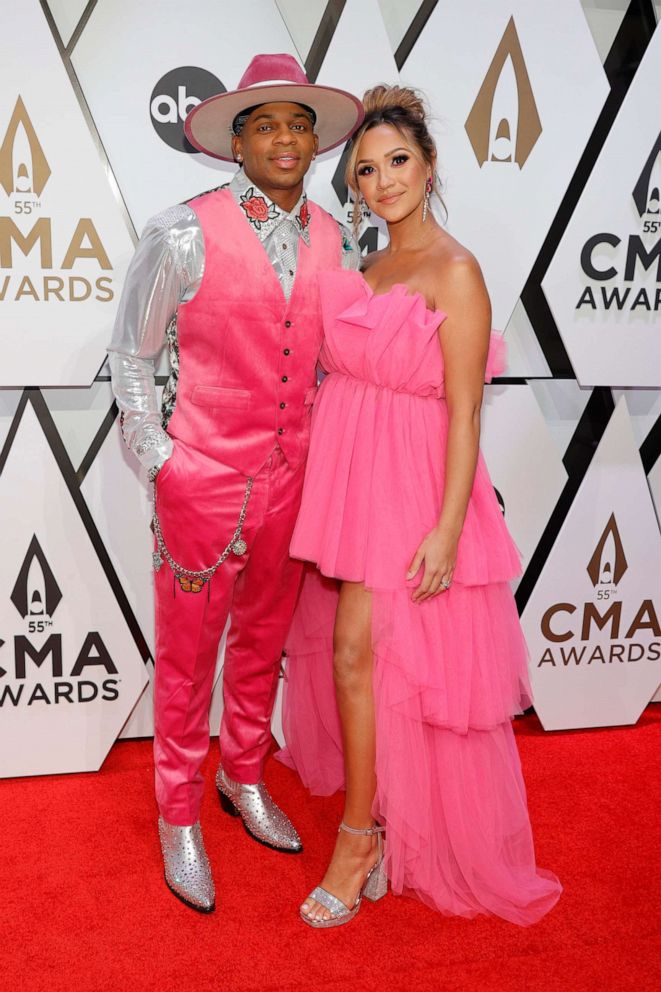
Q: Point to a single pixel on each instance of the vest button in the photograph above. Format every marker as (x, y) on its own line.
(288, 323)
(282, 406)
(284, 378)
(281, 430)
(286, 351)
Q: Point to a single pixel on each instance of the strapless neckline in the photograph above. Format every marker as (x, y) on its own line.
(414, 294)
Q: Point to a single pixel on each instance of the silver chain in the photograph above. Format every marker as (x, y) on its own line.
(236, 544)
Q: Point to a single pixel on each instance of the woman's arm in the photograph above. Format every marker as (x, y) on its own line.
(465, 343)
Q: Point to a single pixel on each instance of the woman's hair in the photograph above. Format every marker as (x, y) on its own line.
(404, 109)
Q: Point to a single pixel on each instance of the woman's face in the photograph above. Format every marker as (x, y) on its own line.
(391, 173)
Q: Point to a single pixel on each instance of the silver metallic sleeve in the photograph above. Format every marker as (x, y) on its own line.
(166, 270)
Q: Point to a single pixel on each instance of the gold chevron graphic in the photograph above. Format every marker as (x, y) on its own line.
(503, 124)
(23, 165)
(647, 191)
(608, 563)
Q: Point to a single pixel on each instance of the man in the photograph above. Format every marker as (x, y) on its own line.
(230, 281)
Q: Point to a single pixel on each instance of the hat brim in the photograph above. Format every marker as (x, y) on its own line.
(208, 125)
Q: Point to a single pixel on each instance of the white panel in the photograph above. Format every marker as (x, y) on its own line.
(61, 710)
(592, 621)
(503, 194)
(59, 285)
(141, 720)
(78, 415)
(118, 495)
(604, 20)
(606, 303)
(524, 355)
(524, 464)
(8, 402)
(66, 14)
(397, 17)
(125, 51)
(562, 402)
(302, 18)
(644, 407)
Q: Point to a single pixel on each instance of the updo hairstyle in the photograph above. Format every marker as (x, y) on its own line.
(404, 109)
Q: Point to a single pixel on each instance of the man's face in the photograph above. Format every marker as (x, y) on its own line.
(277, 144)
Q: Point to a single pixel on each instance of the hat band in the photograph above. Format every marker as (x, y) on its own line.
(274, 82)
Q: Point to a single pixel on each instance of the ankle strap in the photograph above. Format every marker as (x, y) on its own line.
(366, 831)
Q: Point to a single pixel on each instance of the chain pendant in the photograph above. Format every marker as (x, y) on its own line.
(190, 584)
(194, 581)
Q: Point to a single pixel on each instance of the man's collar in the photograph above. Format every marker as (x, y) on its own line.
(263, 214)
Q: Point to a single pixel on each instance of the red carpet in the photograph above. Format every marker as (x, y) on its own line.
(84, 905)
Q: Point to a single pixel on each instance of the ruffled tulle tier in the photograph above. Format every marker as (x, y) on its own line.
(458, 661)
(454, 806)
(448, 675)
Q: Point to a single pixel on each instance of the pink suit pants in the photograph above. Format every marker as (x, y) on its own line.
(198, 504)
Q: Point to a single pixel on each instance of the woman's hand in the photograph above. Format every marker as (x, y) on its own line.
(438, 551)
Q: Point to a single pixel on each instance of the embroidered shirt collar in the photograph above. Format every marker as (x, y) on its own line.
(264, 215)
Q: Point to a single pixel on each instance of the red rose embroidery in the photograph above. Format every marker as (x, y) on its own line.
(256, 209)
(304, 215)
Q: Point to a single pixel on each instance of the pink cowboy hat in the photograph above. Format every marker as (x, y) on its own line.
(272, 79)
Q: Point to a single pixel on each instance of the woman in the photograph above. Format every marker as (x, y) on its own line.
(428, 657)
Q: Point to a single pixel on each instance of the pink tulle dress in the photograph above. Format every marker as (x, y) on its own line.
(449, 673)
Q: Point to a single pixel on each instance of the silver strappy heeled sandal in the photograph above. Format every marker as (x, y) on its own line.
(374, 887)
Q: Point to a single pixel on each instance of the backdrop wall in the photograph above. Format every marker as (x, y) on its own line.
(549, 134)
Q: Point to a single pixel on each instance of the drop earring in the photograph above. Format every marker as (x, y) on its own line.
(425, 203)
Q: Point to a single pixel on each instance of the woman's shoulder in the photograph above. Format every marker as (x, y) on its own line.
(449, 257)
(452, 270)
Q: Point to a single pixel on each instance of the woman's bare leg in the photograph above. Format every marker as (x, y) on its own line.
(352, 669)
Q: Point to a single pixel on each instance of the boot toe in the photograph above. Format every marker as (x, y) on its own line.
(186, 865)
(262, 818)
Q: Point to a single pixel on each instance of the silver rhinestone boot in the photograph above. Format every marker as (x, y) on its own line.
(261, 818)
(187, 871)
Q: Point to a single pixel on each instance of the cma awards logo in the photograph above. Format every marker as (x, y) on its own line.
(173, 98)
(608, 563)
(647, 191)
(37, 672)
(503, 124)
(23, 166)
(624, 628)
(24, 174)
(642, 253)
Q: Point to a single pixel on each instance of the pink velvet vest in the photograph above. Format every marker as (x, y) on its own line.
(247, 356)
